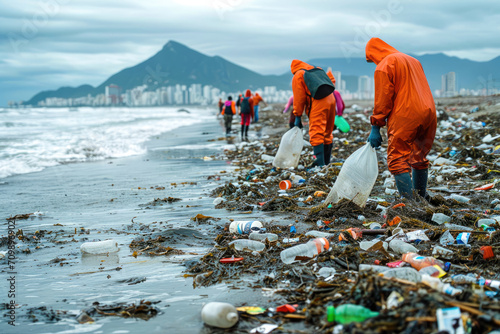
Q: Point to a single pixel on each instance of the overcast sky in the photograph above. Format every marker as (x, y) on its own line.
(46, 44)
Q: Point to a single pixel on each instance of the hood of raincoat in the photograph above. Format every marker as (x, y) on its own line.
(298, 64)
(248, 93)
(376, 50)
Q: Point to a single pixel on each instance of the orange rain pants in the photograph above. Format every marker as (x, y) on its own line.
(403, 101)
(321, 113)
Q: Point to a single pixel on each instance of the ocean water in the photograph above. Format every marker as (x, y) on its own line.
(33, 139)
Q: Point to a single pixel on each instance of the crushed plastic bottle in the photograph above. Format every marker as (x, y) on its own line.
(309, 249)
(319, 234)
(245, 244)
(461, 199)
(402, 247)
(347, 313)
(440, 218)
(365, 245)
(263, 236)
(442, 252)
(221, 315)
(405, 273)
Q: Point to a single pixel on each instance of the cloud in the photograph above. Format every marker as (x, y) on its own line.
(52, 43)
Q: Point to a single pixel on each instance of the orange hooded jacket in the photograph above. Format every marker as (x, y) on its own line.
(321, 121)
(403, 101)
(257, 99)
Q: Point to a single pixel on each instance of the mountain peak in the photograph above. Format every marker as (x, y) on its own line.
(173, 45)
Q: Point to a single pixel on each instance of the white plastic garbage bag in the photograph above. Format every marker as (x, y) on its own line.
(356, 178)
(291, 144)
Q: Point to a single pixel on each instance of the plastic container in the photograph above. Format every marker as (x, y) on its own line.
(485, 221)
(221, 315)
(309, 249)
(402, 247)
(457, 227)
(440, 218)
(319, 234)
(263, 236)
(356, 178)
(434, 271)
(365, 245)
(347, 313)
(464, 279)
(285, 184)
(245, 227)
(442, 252)
(405, 273)
(373, 267)
(250, 245)
(99, 247)
(342, 124)
(461, 199)
(291, 144)
(296, 179)
(418, 262)
(446, 239)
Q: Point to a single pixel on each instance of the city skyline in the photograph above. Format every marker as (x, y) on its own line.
(55, 43)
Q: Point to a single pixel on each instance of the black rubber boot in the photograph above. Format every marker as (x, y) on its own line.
(420, 182)
(242, 131)
(404, 185)
(328, 153)
(319, 152)
(246, 131)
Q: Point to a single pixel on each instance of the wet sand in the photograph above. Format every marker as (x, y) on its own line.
(112, 199)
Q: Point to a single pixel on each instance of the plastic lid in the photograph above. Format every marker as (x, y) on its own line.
(447, 266)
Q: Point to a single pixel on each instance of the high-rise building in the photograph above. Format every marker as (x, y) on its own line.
(449, 84)
(364, 87)
(112, 94)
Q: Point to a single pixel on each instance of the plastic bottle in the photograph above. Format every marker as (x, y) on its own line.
(440, 218)
(434, 271)
(365, 245)
(418, 262)
(319, 234)
(455, 227)
(402, 247)
(461, 199)
(99, 247)
(347, 313)
(263, 236)
(405, 273)
(356, 178)
(442, 252)
(485, 221)
(309, 249)
(245, 227)
(245, 244)
(373, 267)
(296, 179)
(221, 315)
(463, 279)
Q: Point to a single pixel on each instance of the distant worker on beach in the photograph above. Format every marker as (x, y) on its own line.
(246, 112)
(403, 101)
(289, 106)
(312, 94)
(238, 102)
(228, 111)
(220, 105)
(256, 100)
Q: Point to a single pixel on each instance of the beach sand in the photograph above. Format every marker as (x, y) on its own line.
(113, 199)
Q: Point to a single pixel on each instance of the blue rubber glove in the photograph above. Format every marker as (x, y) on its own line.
(298, 122)
(375, 139)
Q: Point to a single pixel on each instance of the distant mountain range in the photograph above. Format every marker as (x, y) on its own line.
(175, 63)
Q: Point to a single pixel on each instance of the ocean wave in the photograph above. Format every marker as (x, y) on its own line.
(42, 138)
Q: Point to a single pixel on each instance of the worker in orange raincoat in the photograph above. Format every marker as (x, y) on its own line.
(320, 113)
(228, 110)
(403, 101)
(256, 100)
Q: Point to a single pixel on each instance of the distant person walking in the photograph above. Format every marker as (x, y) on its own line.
(228, 111)
(339, 102)
(403, 101)
(238, 102)
(246, 112)
(289, 106)
(256, 100)
(312, 94)
(220, 105)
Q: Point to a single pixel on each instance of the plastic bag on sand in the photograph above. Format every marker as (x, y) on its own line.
(290, 147)
(356, 178)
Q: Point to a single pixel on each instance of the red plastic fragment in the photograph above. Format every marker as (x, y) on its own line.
(487, 252)
(398, 205)
(231, 259)
(287, 308)
(485, 187)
